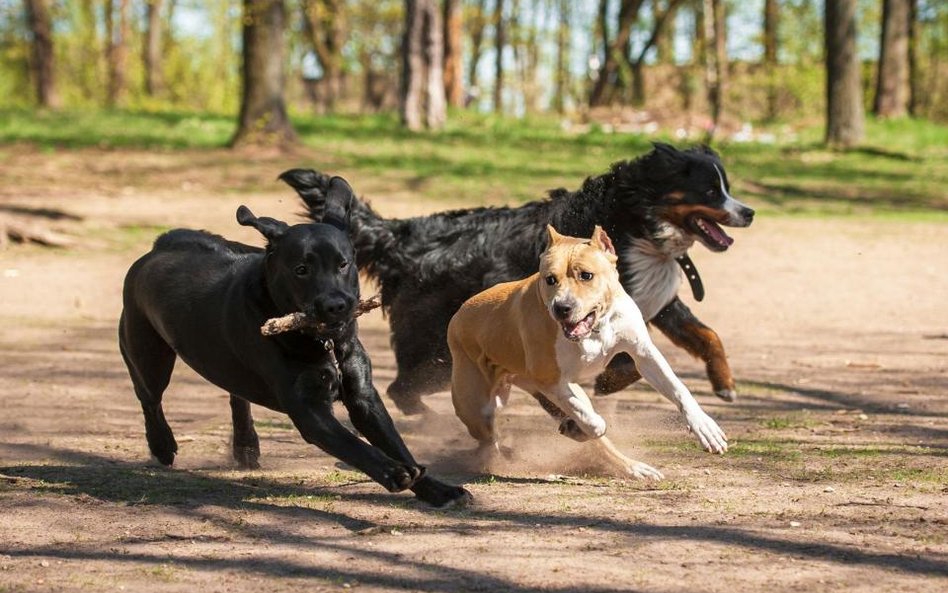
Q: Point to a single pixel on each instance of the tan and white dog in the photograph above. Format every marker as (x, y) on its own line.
(550, 331)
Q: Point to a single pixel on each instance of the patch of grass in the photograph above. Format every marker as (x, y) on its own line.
(766, 449)
(899, 171)
(789, 422)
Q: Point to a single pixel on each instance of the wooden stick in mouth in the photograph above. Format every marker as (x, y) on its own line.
(296, 321)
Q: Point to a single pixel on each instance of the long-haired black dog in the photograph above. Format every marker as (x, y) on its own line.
(654, 208)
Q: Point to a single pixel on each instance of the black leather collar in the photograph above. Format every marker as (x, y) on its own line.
(691, 273)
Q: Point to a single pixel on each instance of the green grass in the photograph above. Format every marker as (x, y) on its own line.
(900, 171)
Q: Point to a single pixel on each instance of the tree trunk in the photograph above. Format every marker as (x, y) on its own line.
(665, 44)
(117, 51)
(154, 81)
(662, 19)
(844, 110)
(561, 81)
(609, 73)
(499, 42)
(422, 89)
(914, 82)
(325, 26)
(771, 16)
(42, 55)
(892, 83)
(263, 119)
(478, 22)
(453, 82)
(716, 61)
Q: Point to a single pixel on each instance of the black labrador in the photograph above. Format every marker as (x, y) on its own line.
(203, 298)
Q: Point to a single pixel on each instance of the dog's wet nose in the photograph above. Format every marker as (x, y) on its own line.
(336, 307)
(562, 310)
(748, 214)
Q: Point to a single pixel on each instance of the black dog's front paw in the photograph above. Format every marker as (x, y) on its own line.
(569, 428)
(247, 457)
(441, 495)
(402, 477)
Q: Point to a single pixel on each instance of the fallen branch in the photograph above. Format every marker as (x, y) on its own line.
(296, 321)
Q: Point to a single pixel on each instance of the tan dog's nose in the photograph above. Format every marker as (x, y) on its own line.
(562, 310)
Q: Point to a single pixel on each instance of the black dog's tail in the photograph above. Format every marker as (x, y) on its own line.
(371, 235)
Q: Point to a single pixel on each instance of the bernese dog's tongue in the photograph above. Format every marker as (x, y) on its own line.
(580, 329)
(715, 232)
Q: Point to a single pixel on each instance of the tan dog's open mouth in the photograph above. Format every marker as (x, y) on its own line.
(580, 329)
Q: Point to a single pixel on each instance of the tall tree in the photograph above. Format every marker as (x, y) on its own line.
(325, 26)
(422, 88)
(477, 22)
(453, 83)
(845, 118)
(914, 82)
(499, 43)
(771, 16)
(662, 19)
(561, 79)
(154, 81)
(608, 79)
(42, 55)
(665, 44)
(716, 61)
(117, 36)
(263, 119)
(892, 83)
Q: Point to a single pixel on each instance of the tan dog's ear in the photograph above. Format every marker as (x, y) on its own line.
(554, 236)
(601, 240)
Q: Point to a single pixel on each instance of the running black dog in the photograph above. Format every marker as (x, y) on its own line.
(203, 298)
(654, 208)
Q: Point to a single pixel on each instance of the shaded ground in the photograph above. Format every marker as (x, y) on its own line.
(836, 479)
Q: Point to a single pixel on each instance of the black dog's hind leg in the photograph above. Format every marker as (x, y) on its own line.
(309, 404)
(568, 426)
(619, 374)
(685, 330)
(246, 445)
(150, 361)
(372, 420)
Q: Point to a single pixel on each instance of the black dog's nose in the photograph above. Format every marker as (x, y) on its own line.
(562, 310)
(748, 214)
(336, 306)
(332, 308)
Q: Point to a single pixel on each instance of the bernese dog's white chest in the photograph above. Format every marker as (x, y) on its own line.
(656, 275)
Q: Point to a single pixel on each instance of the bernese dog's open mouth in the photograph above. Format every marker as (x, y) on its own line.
(709, 232)
(581, 329)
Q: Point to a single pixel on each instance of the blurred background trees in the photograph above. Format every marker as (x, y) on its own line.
(694, 67)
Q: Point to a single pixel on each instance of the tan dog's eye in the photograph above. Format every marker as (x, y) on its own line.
(585, 276)
(551, 280)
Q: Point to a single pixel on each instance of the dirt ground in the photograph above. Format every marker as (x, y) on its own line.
(836, 479)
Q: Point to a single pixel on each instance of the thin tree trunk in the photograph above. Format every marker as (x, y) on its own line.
(914, 82)
(453, 76)
(609, 73)
(422, 88)
(714, 66)
(499, 42)
(892, 83)
(117, 50)
(478, 22)
(844, 111)
(42, 55)
(436, 112)
(771, 16)
(662, 20)
(154, 81)
(263, 119)
(561, 81)
(665, 44)
(325, 26)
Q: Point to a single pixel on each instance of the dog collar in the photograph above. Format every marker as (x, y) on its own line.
(691, 273)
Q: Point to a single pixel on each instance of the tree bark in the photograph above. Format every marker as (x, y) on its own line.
(609, 73)
(325, 26)
(665, 44)
(499, 43)
(478, 22)
(422, 88)
(154, 81)
(453, 76)
(42, 56)
(716, 62)
(844, 111)
(771, 16)
(561, 81)
(662, 19)
(117, 51)
(914, 82)
(892, 83)
(263, 119)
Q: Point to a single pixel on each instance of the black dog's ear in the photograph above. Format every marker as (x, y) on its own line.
(666, 149)
(270, 228)
(338, 203)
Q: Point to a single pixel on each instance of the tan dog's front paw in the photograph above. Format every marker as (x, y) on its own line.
(707, 431)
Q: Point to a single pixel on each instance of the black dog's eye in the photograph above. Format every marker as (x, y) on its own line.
(551, 280)
(343, 266)
(300, 270)
(586, 276)
(711, 192)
